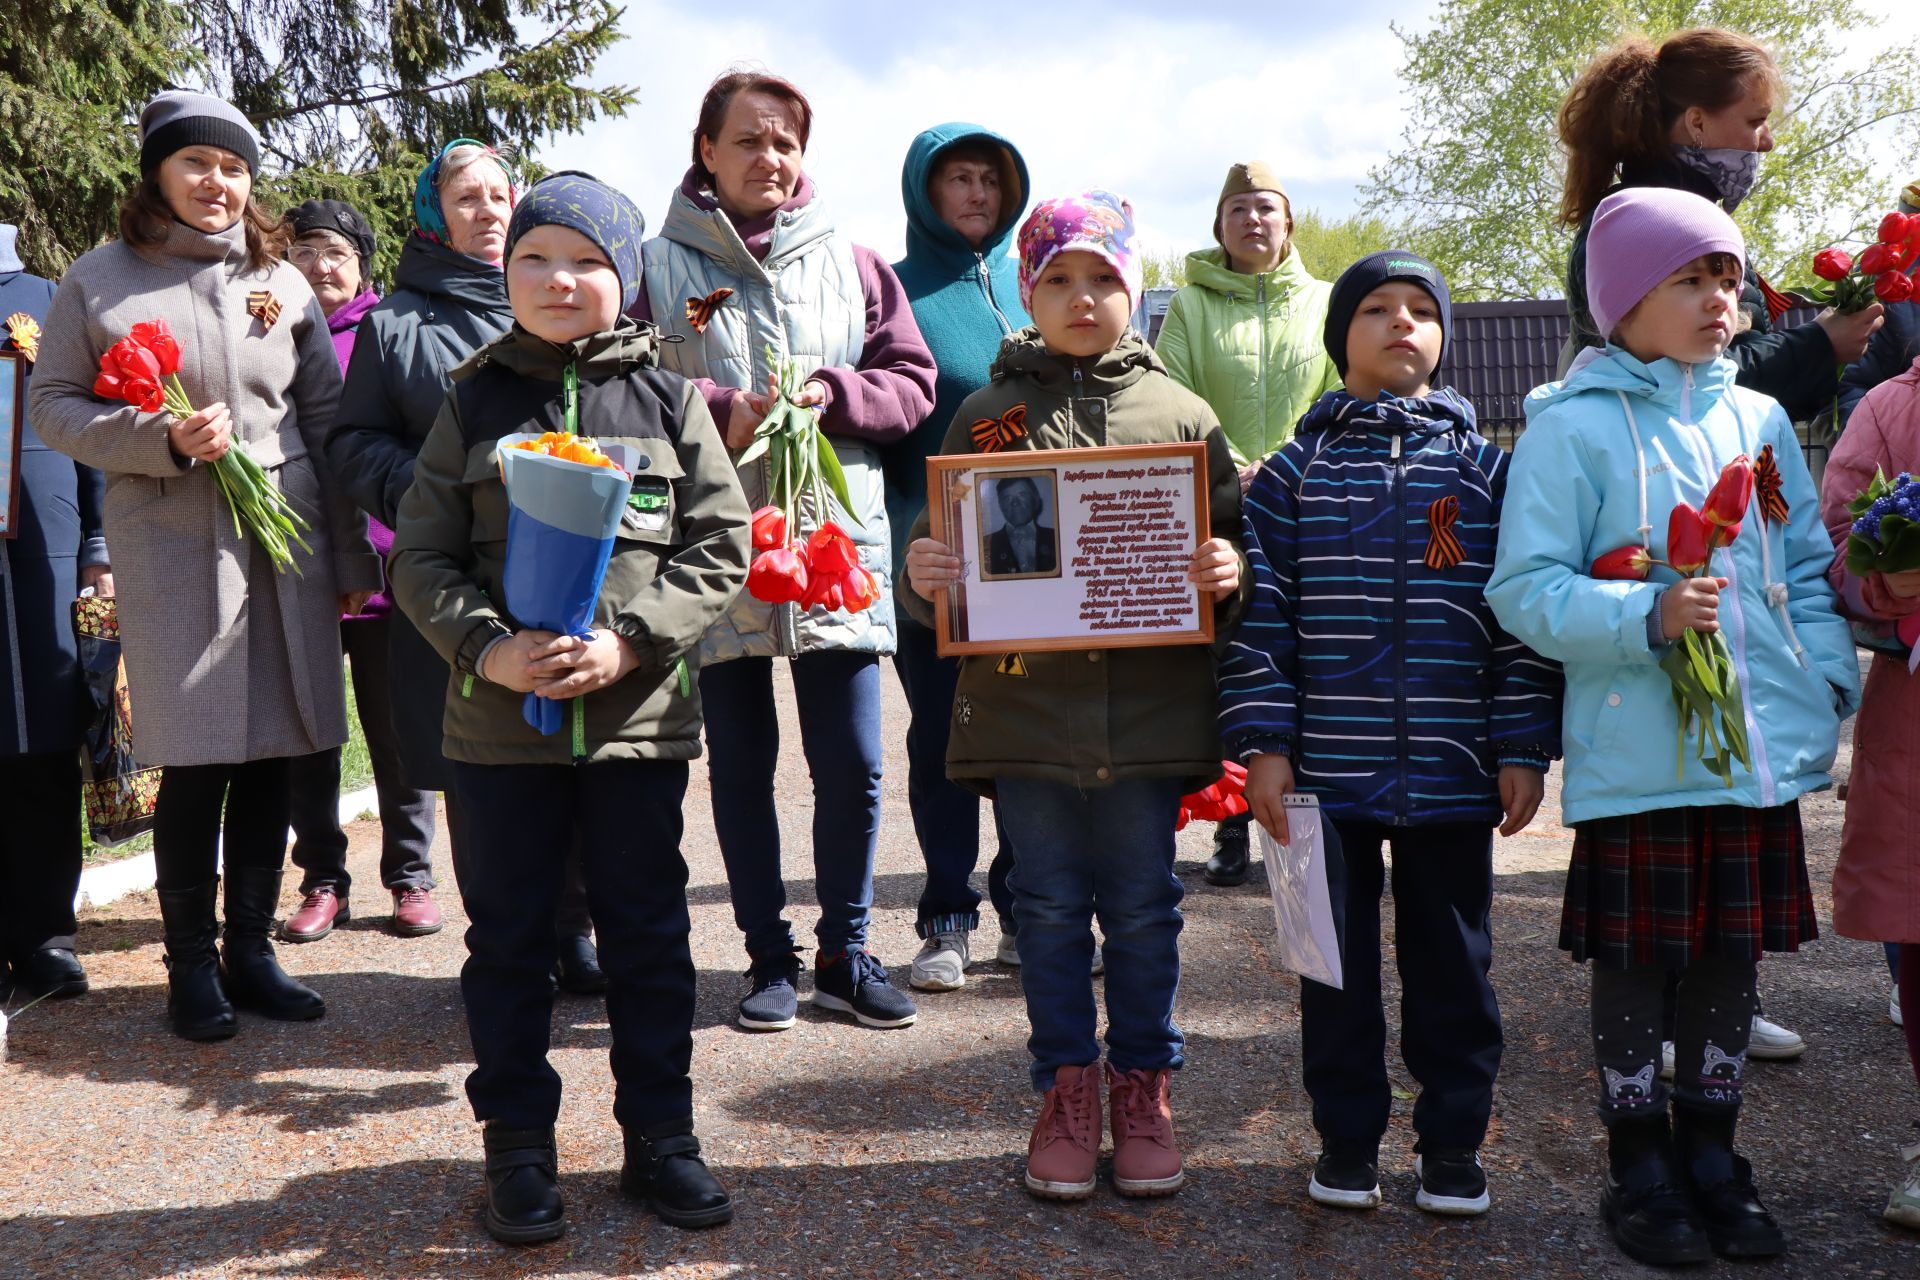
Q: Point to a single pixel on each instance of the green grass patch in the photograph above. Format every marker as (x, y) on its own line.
(356, 771)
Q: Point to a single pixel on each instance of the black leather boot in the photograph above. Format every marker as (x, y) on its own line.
(1228, 865)
(1646, 1208)
(1722, 1185)
(196, 998)
(578, 968)
(664, 1169)
(523, 1185)
(255, 980)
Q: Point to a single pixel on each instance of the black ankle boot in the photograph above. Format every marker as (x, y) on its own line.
(1646, 1208)
(196, 999)
(665, 1170)
(578, 968)
(255, 979)
(1228, 865)
(1722, 1185)
(523, 1185)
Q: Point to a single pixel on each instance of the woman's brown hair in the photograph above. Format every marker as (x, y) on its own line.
(145, 217)
(1622, 108)
(720, 96)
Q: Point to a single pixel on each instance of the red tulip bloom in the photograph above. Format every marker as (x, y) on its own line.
(159, 340)
(130, 372)
(1894, 228)
(769, 528)
(1628, 564)
(778, 576)
(1727, 502)
(860, 589)
(831, 551)
(1877, 258)
(825, 590)
(1689, 543)
(1892, 286)
(1832, 264)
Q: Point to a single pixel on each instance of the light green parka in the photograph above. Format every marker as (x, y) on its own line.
(1251, 347)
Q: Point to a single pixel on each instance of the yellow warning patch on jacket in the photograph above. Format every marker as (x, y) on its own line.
(1012, 665)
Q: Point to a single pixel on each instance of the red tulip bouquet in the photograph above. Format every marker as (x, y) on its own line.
(1880, 273)
(1217, 801)
(1700, 666)
(143, 370)
(825, 570)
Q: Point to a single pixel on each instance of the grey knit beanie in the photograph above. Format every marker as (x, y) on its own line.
(178, 119)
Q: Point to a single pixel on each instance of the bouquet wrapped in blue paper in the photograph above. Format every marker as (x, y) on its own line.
(564, 501)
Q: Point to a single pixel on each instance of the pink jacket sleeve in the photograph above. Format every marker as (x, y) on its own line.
(1862, 448)
(891, 392)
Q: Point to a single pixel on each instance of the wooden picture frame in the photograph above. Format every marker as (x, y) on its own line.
(1099, 556)
(13, 430)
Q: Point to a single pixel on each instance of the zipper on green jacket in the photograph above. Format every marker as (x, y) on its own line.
(1260, 382)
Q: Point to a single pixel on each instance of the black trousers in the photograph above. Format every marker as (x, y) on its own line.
(1449, 1020)
(39, 852)
(623, 817)
(406, 813)
(188, 821)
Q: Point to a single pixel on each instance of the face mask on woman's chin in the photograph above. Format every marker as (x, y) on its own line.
(1731, 170)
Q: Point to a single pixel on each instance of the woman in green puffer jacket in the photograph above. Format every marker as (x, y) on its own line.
(1245, 336)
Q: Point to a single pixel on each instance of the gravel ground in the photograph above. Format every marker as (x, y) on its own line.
(345, 1148)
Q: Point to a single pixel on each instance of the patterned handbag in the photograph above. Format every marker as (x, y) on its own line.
(119, 794)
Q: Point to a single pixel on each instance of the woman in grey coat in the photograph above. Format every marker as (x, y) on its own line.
(233, 668)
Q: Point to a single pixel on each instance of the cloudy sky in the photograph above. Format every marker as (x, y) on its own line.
(1149, 98)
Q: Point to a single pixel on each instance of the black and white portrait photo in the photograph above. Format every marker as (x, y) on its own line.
(1018, 533)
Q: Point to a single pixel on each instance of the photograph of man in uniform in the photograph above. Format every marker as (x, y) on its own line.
(1024, 543)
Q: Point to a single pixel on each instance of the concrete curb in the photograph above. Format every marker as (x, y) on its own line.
(102, 884)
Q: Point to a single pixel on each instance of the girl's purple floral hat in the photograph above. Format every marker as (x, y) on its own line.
(1096, 221)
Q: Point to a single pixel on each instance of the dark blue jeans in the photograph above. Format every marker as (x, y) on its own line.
(1106, 853)
(946, 817)
(623, 818)
(838, 697)
(1449, 1021)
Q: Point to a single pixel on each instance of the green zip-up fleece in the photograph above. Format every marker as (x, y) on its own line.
(1091, 717)
(664, 585)
(1250, 346)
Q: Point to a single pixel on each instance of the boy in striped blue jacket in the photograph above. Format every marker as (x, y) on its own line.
(1370, 672)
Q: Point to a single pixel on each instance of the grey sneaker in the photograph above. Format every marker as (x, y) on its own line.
(1903, 1206)
(1771, 1042)
(1008, 952)
(942, 962)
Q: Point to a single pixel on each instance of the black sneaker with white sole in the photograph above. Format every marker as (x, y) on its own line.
(1451, 1183)
(1347, 1175)
(771, 1003)
(856, 983)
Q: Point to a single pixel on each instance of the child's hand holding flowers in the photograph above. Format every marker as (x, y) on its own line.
(1692, 604)
(509, 662)
(568, 666)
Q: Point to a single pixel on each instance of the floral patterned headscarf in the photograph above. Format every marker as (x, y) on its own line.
(1096, 221)
(428, 218)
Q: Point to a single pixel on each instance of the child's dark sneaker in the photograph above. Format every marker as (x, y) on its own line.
(771, 1004)
(1451, 1182)
(1347, 1175)
(856, 983)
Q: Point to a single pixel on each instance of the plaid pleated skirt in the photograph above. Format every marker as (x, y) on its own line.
(1665, 887)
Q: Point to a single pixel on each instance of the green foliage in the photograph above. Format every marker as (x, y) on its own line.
(1163, 270)
(1330, 245)
(72, 74)
(1478, 178)
(350, 96)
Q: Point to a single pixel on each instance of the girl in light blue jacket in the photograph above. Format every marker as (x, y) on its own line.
(1673, 869)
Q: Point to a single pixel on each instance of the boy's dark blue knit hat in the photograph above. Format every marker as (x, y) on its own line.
(581, 202)
(1368, 274)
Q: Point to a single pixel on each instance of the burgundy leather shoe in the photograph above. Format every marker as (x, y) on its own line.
(414, 913)
(316, 917)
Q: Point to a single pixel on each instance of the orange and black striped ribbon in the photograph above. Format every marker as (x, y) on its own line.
(1766, 487)
(1443, 549)
(1778, 303)
(990, 435)
(700, 310)
(264, 307)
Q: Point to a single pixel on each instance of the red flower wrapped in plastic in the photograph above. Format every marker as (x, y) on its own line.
(1218, 801)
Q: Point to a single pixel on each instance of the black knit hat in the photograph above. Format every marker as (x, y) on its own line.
(340, 218)
(1368, 274)
(178, 119)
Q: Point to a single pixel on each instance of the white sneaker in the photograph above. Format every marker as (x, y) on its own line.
(1099, 961)
(1666, 1059)
(1903, 1206)
(1893, 1009)
(1771, 1042)
(1008, 952)
(942, 963)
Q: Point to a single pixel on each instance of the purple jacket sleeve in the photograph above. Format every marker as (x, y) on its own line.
(719, 399)
(891, 392)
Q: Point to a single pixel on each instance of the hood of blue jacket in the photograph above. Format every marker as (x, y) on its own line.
(930, 238)
(1665, 382)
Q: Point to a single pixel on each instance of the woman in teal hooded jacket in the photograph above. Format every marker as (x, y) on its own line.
(964, 188)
